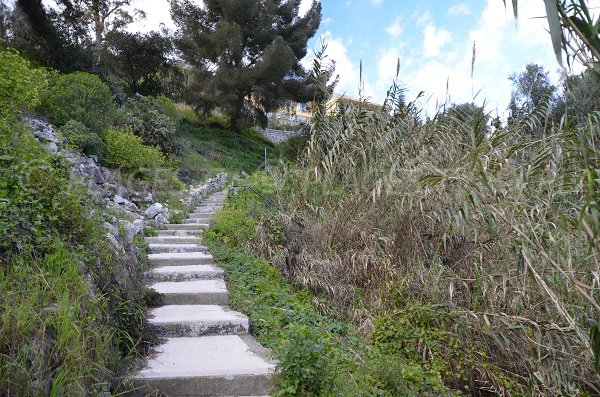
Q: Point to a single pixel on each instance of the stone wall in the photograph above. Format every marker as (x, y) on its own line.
(279, 136)
(198, 193)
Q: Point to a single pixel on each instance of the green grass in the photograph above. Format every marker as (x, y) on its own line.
(319, 356)
(208, 151)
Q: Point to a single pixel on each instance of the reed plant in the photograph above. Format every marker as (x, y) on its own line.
(494, 229)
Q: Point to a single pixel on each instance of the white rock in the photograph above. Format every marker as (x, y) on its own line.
(154, 210)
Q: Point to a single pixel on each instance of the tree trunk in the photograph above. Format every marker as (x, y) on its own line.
(98, 30)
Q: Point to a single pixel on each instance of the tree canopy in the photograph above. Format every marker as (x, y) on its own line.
(244, 54)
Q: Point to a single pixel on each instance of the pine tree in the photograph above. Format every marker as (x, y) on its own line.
(245, 54)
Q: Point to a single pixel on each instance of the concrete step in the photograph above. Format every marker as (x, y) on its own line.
(175, 248)
(173, 240)
(197, 320)
(184, 273)
(162, 233)
(204, 211)
(195, 292)
(199, 220)
(224, 365)
(187, 226)
(181, 259)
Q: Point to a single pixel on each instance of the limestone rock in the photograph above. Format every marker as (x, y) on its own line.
(154, 210)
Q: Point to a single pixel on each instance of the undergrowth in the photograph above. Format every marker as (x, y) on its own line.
(319, 356)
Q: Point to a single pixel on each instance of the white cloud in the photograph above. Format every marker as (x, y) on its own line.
(459, 10)
(376, 2)
(347, 70)
(434, 40)
(304, 7)
(395, 29)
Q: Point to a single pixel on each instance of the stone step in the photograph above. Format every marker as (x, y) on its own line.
(187, 226)
(173, 240)
(176, 248)
(197, 320)
(195, 292)
(223, 365)
(162, 233)
(204, 211)
(183, 273)
(181, 259)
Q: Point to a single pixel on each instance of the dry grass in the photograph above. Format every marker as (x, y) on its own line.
(497, 225)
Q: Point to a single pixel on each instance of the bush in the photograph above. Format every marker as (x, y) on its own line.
(82, 97)
(217, 121)
(69, 300)
(19, 83)
(127, 151)
(77, 134)
(150, 119)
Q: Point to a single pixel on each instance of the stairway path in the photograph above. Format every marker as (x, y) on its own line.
(205, 348)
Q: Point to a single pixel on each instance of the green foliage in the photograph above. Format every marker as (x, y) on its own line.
(77, 134)
(141, 62)
(273, 36)
(217, 121)
(69, 313)
(34, 205)
(449, 239)
(293, 147)
(207, 151)
(126, 151)
(318, 356)
(150, 119)
(304, 363)
(20, 84)
(81, 97)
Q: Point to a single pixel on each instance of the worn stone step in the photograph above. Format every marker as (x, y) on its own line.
(162, 233)
(204, 211)
(180, 259)
(198, 220)
(173, 240)
(223, 365)
(197, 320)
(183, 273)
(195, 292)
(175, 248)
(187, 226)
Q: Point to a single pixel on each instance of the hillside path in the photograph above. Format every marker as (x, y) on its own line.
(205, 347)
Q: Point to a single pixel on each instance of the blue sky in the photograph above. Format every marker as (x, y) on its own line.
(433, 40)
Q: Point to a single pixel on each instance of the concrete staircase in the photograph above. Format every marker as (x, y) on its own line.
(206, 349)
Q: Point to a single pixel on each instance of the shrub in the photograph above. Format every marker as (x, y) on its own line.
(77, 134)
(217, 121)
(82, 97)
(149, 119)
(19, 83)
(126, 151)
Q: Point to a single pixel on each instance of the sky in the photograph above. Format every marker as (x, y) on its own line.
(433, 39)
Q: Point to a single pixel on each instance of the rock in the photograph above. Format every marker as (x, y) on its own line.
(160, 218)
(148, 198)
(97, 176)
(114, 242)
(243, 175)
(119, 200)
(154, 210)
(123, 192)
(52, 147)
(139, 226)
(111, 228)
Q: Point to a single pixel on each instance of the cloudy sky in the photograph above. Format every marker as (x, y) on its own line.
(433, 40)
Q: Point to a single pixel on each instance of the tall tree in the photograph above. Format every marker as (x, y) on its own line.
(47, 36)
(245, 54)
(141, 61)
(103, 16)
(531, 88)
